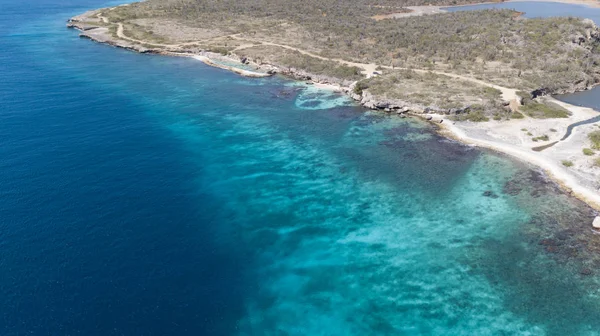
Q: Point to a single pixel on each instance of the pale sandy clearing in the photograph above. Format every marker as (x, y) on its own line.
(511, 137)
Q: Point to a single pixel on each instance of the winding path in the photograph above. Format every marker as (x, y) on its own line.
(368, 69)
(508, 94)
(121, 35)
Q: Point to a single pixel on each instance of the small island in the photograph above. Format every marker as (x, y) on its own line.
(485, 77)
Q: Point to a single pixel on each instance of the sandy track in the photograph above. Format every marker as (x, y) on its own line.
(368, 69)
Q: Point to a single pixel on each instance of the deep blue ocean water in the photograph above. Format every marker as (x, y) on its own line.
(149, 195)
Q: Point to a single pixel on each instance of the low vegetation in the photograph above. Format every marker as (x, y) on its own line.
(595, 139)
(475, 115)
(544, 110)
(495, 45)
(219, 50)
(112, 30)
(439, 92)
(588, 152)
(517, 115)
(553, 55)
(286, 58)
(317, 66)
(541, 138)
(138, 32)
(567, 163)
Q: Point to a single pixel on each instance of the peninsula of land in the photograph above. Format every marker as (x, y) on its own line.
(485, 77)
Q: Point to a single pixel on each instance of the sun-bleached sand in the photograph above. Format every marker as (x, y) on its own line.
(331, 87)
(510, 137)
(514, 137)
(245, 73)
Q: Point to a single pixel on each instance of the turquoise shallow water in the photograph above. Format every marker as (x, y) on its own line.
(148, 195)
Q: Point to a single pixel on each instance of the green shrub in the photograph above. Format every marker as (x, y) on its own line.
(360, 87)
(491, 92)
(544, 110)
(476, 116)
(321, 67)
(350, 72)
(112, 30)
(567, 163)
(220, 50)
(541, 138)
(149, 46)
(524, 94)
(517, 115)
(597, 162)
(595, 138)
(588, 152)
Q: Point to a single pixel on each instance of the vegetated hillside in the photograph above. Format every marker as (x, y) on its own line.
(438, 92)
(309, 10)
(309, 38)
(556, 54)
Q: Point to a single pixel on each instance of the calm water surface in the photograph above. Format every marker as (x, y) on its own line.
(148, 195)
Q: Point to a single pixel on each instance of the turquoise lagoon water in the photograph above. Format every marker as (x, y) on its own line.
(538, 9)
(149, 195)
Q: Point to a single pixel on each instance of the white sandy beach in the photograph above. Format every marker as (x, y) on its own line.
(245, 73)
(507, 137)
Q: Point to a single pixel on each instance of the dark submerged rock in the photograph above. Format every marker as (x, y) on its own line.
(489, 193)
(512, 188)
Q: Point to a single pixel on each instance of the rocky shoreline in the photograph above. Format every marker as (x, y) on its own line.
(102, 34)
